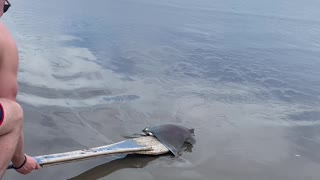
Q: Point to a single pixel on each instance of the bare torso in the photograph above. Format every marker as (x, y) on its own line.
(8, 65)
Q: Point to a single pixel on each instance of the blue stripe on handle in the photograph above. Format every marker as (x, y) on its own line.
(128, 144)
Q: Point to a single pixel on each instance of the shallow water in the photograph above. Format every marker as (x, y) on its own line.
(244, 74)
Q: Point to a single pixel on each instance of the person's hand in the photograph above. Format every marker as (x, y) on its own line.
(30, 165)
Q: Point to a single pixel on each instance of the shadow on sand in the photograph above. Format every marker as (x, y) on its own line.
(128, 162)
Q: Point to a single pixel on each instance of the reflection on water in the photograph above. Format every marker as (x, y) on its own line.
(244, 74)
(307, 138)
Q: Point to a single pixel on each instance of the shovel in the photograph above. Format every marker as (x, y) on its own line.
(147, 145)
(156, 141)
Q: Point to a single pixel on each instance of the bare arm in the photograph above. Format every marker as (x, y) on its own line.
(8, 81)
(9, 61)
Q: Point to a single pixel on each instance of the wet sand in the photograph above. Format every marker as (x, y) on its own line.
(245, 80)
(225, 150)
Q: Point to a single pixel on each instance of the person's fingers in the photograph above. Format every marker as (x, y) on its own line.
(37, 165)
(31, 164)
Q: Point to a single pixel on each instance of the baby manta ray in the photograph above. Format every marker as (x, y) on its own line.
(173, 137)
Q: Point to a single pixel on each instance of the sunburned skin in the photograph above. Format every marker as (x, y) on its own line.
(11, 129)
(8, 65)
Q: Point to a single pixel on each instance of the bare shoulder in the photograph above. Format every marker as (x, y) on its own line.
(3, 33)
(1, 38)
(5, 37)
(8, 49)
(9, 61)
(3, 30)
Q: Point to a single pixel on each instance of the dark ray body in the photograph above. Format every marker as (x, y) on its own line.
(174, 137)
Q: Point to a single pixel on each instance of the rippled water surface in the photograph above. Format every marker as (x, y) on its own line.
(244, 74)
